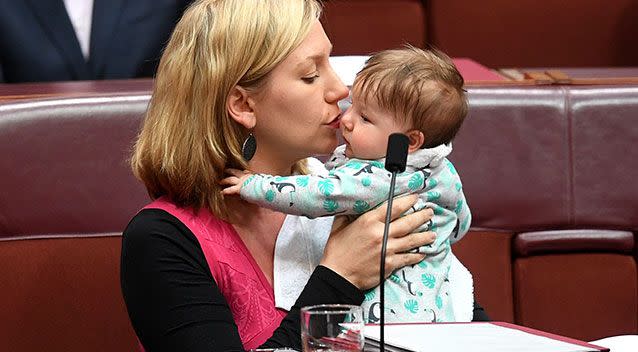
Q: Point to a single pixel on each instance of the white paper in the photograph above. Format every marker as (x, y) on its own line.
(620, 343)
(474, 337)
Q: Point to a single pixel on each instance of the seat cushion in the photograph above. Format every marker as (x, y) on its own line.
(63, 293)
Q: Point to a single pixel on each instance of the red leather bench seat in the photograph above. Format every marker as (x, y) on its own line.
(549, 173)
(67, 193)
(553, 171)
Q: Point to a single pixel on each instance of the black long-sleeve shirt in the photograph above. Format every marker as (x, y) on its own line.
(174, 303)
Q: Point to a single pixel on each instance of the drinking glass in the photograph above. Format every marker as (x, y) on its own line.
(332, 327)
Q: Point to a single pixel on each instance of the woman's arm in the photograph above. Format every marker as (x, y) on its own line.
(324, 286)
(174, 302)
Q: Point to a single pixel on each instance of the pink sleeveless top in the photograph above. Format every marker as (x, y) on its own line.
(239, 278)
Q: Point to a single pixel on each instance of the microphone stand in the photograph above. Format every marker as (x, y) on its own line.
(396, 157)
(386, 228)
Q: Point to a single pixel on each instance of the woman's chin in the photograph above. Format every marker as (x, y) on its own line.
(327, 146)
(332, 146)
(323, 144)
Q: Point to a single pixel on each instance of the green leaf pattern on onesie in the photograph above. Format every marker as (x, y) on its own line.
(248, 180)
(438, 210)
(330, 205)
(326, 187)
(416, 181)
(411, 305)
(302, 181)
(433, 196)
(395, 278)
(369, 296)
(361, 206)
(354, 164)
(450, 166)
(428, 280)
(270, 195)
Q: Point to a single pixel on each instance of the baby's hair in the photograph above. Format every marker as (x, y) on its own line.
(420, 87)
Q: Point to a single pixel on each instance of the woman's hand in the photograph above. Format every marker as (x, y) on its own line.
(353, 251)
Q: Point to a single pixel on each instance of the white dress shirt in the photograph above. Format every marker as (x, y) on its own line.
(81, 14)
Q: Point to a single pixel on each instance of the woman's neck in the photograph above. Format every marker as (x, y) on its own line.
(265, 162)
(244, 214)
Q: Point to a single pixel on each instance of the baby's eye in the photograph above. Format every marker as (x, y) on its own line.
(365, 119)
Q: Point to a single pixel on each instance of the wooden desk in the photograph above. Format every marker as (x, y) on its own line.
(18, 91)
(573, 75)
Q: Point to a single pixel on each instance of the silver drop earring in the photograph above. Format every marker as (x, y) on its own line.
(249, 147)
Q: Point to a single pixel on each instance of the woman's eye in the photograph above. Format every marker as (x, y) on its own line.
(310, 79)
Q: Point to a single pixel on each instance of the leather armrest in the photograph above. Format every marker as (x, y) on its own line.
(544, 242)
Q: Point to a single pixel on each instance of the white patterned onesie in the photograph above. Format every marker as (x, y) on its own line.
(418, 293)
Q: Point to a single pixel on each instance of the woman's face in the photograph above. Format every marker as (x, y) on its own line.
(296, 111)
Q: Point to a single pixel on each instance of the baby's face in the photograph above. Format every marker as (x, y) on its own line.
(366, 128)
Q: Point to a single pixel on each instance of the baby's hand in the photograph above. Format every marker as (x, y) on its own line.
(234, 181)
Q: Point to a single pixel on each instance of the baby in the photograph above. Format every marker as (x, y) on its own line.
(415, 92)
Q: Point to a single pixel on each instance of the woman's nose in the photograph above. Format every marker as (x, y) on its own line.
(336, 90)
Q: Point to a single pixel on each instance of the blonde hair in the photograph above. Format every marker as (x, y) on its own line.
(188, 137)
(419, 87)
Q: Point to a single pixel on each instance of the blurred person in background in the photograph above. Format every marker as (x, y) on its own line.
(63, 40)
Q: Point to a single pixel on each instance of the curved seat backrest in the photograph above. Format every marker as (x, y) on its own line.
(67, 194)
(549, 173)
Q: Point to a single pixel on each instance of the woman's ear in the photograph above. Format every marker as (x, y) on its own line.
(416, 138)
(240, 107)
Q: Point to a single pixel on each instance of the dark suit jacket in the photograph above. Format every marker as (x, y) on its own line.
(38, 43)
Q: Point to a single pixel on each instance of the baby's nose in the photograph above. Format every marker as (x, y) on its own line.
(346, 120)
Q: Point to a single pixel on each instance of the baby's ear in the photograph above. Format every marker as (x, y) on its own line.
(416, 138)
(240, 107)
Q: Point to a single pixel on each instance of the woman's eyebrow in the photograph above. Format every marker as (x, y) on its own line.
(320, 54)
(308, 61)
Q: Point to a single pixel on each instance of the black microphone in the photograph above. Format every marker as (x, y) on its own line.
(396, 156)
(397, 152)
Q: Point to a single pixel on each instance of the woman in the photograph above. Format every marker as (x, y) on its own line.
(197, 269)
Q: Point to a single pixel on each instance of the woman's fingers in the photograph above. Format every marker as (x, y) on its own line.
(401, 252)
(397, 261)
(405, 225)
(411, 241)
